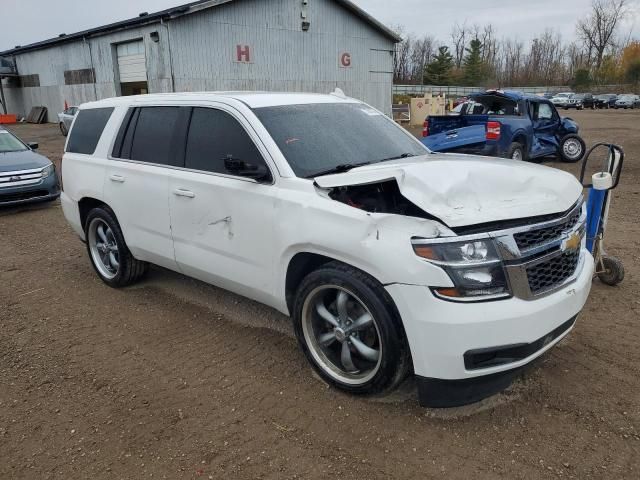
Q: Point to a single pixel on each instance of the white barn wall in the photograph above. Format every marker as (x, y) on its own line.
(203, 56)
(284, 58)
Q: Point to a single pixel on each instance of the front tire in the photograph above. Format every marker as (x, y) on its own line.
(572, 148)
(63, 129)
(350, 331)
(108, 252)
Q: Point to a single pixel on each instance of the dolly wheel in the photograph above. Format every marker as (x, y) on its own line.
(613, 272)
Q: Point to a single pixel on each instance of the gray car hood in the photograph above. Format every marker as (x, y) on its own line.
(463, 190)
(23, 160)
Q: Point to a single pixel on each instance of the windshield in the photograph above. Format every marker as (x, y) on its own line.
(316, 138)
(9, 143)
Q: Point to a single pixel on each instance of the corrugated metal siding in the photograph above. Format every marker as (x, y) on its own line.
(283, 57)
(203, 46)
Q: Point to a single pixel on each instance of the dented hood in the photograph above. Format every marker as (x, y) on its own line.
(463, 190)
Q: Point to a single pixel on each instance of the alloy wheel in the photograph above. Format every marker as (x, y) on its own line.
(104, 248)
(342, 335)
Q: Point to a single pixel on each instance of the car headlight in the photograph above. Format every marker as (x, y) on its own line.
(475, 268)
(48, 170)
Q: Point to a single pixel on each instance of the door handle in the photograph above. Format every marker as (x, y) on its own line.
(180, 192)
(116, 178)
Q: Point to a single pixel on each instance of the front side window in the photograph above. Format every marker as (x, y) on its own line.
(87, 130)
(545, 112)
(153, 134)
(315, 138)
(215, 136)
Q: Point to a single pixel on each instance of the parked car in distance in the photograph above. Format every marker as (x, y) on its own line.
(389, 258)
(25, 176)
(506, 124)
(580, 101)
(607, 100)
(627, 101)
(561, 99)
(65, 119)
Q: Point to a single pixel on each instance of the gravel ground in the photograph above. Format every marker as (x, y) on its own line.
(177, 379)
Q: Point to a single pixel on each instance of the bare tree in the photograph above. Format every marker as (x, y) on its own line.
(597, 30)
(421, 55)
(459, 34)
(402, 58)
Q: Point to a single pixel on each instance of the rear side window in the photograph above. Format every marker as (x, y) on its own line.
(153, 134)
(87, 130)
(214, 136)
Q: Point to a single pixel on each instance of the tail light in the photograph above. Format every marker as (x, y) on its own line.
(493, 130)
(425, 129)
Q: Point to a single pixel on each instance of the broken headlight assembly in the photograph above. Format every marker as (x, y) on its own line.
(474, 266)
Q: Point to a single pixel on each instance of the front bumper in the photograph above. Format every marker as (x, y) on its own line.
(440, 333)
(45, 191)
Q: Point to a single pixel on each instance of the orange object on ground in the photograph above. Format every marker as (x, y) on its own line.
(8, 119)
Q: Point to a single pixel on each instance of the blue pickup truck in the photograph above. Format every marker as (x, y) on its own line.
(506, 124)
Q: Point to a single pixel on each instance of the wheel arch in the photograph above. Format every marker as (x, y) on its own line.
(86, 204)
(303, 262)
(521, 137)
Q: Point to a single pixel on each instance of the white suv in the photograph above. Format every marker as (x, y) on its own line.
(390, 259)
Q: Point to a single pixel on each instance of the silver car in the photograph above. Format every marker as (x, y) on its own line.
(65, 119)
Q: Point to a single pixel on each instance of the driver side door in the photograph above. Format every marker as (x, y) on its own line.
(545, 120)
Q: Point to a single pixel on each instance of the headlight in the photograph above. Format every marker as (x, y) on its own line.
(475, 251)
(475, 268)
(48, 170)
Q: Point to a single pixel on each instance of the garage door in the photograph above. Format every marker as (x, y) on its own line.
(131, 62)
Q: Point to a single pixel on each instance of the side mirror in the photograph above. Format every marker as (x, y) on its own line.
(33, 145)
(244, 169)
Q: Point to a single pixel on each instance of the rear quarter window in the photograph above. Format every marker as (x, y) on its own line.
(87, 130)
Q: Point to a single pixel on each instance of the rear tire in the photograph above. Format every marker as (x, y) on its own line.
(613, 271)
(329, 304)
(516, 152)
(572, 148)
(108, 252)
(63, 129)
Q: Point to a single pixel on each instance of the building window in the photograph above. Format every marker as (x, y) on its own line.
(79, 77)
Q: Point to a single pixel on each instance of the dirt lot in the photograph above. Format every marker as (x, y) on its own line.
(176, 379)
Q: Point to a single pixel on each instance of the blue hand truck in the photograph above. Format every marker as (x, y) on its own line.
(608, 269)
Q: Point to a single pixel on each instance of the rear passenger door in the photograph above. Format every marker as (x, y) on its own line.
(223, 223)
(137, 183)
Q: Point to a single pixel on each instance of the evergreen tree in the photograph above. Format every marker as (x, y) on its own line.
(438, 72)
(474, 68)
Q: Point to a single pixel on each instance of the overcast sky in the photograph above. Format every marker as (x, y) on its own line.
(28, 21)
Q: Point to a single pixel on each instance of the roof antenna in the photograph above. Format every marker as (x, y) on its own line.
(339, 93)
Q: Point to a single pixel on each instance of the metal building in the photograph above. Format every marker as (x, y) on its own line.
(275, 45)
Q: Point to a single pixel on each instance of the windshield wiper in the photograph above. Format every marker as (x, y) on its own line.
(342, 168)
(404, 155)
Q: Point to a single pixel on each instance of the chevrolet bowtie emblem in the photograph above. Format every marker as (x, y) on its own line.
(15, 179)
(572, 242)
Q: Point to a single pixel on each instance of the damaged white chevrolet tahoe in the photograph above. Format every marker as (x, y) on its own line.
(390, 259)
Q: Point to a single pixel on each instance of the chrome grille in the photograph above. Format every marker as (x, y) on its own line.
(542, 258)
(540, 236)
(20, 178)
(556, 271)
